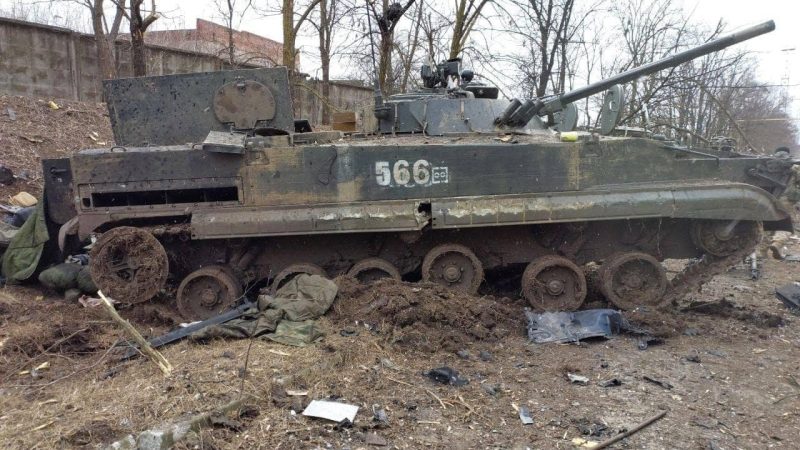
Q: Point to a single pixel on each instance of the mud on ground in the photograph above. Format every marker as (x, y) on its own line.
(730, 370)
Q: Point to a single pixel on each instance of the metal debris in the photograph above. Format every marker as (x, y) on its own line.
(790, 295)
(661, 383)
(525, 416)
(575, 326)
(577, 379)
(446, 375)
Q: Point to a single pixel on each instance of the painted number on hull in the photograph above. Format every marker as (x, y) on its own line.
(403, 173)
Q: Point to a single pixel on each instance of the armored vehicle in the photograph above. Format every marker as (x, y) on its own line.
(213, 187)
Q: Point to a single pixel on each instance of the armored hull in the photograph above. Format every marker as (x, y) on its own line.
(444, 193)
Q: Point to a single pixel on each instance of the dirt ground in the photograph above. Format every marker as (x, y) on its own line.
(732, 368)
(732, 364)
(31, 130)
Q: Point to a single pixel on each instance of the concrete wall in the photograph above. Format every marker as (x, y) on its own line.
(44, 61)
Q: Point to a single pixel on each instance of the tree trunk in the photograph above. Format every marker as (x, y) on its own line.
(138, 26)
(105, 57)
(288, 34)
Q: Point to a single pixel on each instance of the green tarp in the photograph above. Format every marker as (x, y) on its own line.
(289, 318)
(23, 253)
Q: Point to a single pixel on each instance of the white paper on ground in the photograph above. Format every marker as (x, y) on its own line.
(334, 411)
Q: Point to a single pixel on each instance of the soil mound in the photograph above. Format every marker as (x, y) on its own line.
(426, 316)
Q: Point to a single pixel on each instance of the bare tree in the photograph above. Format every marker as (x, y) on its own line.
(231, 12)
(291, 28)
(138, 26)
(386, 20)
(104, 35)
(326, 21)
(466, 15)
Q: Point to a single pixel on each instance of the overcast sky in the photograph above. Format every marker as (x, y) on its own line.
(777, 53)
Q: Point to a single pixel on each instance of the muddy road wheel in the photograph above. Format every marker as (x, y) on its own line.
(129, 264)
(724, 237)
(292, 271)
(370, 270)
(207, 292)
(454, 266)
(554, 283)
(633, 279)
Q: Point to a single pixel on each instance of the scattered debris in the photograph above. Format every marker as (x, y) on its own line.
(661, 383)
(463, 354)
(648, 341)
(590, 427)
(446, 375)
(581, 442)
(630, 432)
(12, 115)
(755, 269)
(485, 356)
(23, 199)
(525, 416)
(577, 379)
(379, 416)
(348, 332)
(168, 435)
(151, 353)
(789, 294)
(180, 333)
(6, 175)
(575, 326)
(693, 358)
(610, 383)
(333, 411)
(53, 105)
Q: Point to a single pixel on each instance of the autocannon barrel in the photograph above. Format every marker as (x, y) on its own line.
(557, 103)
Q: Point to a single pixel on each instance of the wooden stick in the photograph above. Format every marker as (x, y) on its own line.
(633, 430)
(144, 346)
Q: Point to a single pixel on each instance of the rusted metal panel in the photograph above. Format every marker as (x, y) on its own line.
(716, 201)
(323, 219)
(176, 109)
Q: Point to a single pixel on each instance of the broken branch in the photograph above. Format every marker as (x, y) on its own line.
(149, 351)
(633, 430)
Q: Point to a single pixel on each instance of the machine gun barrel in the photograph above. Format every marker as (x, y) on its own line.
(557, 103)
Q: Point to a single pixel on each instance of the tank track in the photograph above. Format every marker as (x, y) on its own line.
(700, 271)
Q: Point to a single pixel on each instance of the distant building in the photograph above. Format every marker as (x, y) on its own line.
(212, 39)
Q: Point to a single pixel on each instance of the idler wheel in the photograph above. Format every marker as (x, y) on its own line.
(554, 283)
(633, 279)
(292, 271)
(454, 266)
(207, 292)
(370, 270)
(725, 237)
(129, 264)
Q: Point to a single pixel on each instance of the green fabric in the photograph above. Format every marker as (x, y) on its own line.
(61, 277)
(7, 233)
(25, 250)
(85, 281)
(289, 318)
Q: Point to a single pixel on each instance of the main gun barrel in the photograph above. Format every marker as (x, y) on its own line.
(557, 103)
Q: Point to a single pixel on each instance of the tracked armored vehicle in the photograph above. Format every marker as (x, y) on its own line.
(213, 186)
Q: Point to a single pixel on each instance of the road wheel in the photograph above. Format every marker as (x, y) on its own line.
(554, 283)
(129, 264)
(454, 266)
(633, 279)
